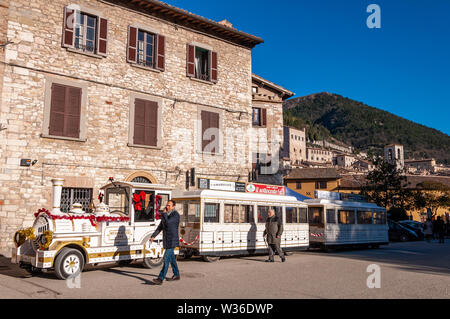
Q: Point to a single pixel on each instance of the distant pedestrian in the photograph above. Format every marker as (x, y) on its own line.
(428, 229)
(170, 220)
(439, 229)
(273, 231)
(434, 228)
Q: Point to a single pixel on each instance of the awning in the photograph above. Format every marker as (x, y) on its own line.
(300, 197)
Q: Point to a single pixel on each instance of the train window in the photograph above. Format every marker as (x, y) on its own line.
(331, 216)
(231, 213)
(144, 206)
(183, 211)
(246, 214)
(316, 216)
(211, 214)
(117, 199)
(263, 213)
(379, 217)
(303, 215)
(364, 217)
(291, 215)
(346, 216)
(194, 212)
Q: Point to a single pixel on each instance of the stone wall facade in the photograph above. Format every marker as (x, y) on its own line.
(37, 58)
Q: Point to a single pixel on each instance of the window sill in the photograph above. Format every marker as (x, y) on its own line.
(259, 126)
(64, 138)
(202, 81)
(208, 153)
(144, 146)
(92, 55)
(144, 67)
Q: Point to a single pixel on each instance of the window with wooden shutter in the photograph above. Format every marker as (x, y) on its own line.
(85, 32)
(145, 123)
(132, 44)
(263, 117)
(65, 111)
(68, 27)
(190, 68)
(210, 138)
(214, 67)
(102, 36)
(161, 55)
(146, 49)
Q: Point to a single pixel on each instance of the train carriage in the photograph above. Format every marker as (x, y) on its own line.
(220, 223)
(118, 230)
(339, 223)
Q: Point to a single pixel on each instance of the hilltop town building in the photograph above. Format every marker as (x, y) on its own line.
(294, 147)
(394, 154)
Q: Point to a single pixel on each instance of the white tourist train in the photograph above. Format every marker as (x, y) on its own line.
(117, 230)
(219, 223)
(343, 220)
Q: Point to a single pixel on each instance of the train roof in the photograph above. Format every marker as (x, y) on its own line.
(213, 194)
(139, 185)
(319, 201)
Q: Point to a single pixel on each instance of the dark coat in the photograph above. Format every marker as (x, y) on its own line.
(169, 226)
(274, 228)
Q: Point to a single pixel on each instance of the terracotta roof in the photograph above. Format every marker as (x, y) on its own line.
(287, 93)
(185, 18)
(313, 173)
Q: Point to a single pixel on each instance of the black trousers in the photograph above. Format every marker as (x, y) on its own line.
(272, 248)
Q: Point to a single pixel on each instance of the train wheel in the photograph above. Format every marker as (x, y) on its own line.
(153, 262)
(210, 259)
(69, 263)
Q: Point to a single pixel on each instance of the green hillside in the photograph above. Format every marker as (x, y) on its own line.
(364, 127)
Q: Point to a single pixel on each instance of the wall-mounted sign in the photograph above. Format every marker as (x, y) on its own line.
(265, 189)
(327, 195)
(204, 183)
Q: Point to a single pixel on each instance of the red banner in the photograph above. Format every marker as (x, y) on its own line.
(265, 189)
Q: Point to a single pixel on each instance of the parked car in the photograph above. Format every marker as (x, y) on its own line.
(412, 224)
(401, 232)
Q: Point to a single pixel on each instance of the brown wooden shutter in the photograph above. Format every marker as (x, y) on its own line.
(263, 117)
(190, 68)
(68, 37)
(145, 123)
(209, 120)
(151, 123)
(132, 44)
(57, 109)
(160, 54)
(214, 123)
(213, 66)
(102, 36)
(139, 122)
(72, 112)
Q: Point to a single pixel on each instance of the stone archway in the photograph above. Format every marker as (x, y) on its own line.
(143, 175)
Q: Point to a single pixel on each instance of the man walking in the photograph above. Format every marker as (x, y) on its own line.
(274, 229)
(440, 229)
(170, 220)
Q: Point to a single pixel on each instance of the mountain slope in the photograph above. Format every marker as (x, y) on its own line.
(367, 128)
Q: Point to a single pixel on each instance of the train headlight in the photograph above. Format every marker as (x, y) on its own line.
(46, 239)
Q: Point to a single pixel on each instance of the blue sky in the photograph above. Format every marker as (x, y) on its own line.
(325, 45)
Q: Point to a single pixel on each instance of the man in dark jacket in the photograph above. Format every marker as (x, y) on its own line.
(274, 229)
(170, 220)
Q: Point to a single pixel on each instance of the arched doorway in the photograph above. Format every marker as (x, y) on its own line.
(142, 177)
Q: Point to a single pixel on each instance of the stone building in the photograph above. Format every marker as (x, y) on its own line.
(394, 154)
(423, 166)
(345, 160)
(135, 90)
(307, 180)
(267, 132)
(316, 155)
(294, 147)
